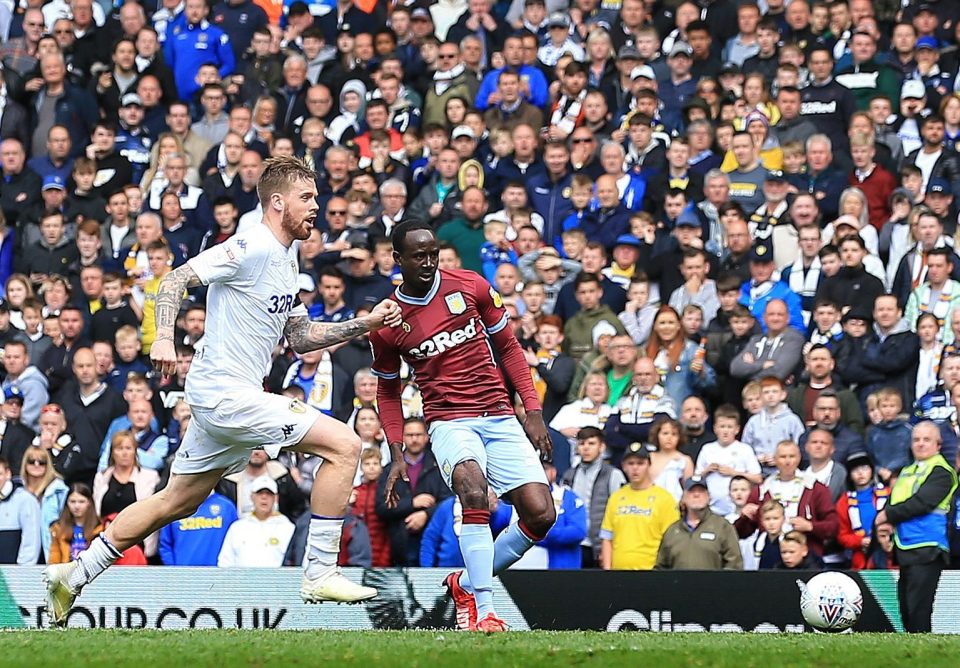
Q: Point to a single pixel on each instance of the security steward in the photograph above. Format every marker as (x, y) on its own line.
(700, 540)
(918, 508)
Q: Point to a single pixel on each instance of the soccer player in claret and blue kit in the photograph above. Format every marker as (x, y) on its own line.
(454, 334)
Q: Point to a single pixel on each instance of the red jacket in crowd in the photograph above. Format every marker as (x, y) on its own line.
(364, 507)
(815, 504)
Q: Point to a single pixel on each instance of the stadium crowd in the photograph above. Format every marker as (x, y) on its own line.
(725, 233)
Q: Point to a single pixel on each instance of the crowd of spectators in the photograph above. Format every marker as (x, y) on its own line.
(725, 233)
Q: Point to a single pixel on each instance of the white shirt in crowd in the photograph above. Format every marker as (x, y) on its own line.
(254, 543)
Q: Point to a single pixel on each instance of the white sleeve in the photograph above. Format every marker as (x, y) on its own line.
(224, 263)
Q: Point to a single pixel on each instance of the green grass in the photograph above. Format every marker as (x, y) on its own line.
(432, 649)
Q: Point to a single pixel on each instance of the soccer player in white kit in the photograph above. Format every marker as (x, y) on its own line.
(251, 303)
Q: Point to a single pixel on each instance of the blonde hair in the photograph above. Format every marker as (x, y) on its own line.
(280, 173)
(753, 387)
(49, 474)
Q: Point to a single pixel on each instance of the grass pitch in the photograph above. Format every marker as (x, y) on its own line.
(434, 649)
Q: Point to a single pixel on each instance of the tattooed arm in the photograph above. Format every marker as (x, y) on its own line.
(304, 335)
(167, 306)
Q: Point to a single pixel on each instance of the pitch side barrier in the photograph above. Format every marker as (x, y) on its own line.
(244, 598)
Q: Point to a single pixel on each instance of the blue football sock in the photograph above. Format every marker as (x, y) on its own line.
(476, 545)
(510, 545)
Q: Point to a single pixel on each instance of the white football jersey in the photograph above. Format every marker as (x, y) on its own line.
(252, 294)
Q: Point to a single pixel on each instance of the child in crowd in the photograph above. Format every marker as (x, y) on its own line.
(764, 552)
(739, 491)
(160, 259)
(363, 504)
(724, 458)
(496, 249)
(33, 335)
(638, 313)
(573, 242)
(692, 322)
(581, 192)
(931, 353)
(795, 555)
(872, 404)
(742, 327)
(827, 329)
(794, 157)
(774, 423)
(750, 396)
(127, 345)
(84, 201)
(115, 313)
(888, 442)
(858, 507)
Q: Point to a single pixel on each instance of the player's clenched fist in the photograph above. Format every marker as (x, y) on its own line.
(163, 356)
(385, 314)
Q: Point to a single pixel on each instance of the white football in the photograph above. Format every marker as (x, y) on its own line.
(830, 601)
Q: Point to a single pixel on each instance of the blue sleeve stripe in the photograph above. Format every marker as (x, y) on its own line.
(385, 376)
(500, 325)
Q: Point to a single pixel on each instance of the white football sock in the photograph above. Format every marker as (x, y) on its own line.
(323, 545)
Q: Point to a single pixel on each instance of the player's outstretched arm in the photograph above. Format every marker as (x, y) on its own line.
(304, 335)
(169, 296)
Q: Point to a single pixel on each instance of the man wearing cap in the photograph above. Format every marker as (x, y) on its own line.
(933, 159)
(700, 540)
(261, 538)
(637, 517)
(618, 89)
(15, 437)
(939, 198)
(532, 84)
(679, 87)
(133, 141)
(937, 82)
(559, 41)
(761, 288)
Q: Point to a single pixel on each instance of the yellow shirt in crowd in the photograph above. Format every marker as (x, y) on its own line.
(635, 521)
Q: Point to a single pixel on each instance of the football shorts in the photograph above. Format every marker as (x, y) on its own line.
(498, 444)
(222, 437)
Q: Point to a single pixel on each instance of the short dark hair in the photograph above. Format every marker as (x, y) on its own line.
(586, 277)
(400, 232)
(590, 432)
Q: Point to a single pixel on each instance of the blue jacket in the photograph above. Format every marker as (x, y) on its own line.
(681, 382)
(552, 201)
(563, 540)
(76, 110)
(888, 444)
(782, 291)
(539, 93)
(606, 225)
(196, 540)
(440, 546)
(135, 147)
(831, 182)
(188, 47)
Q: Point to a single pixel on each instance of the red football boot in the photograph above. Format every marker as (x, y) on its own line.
(491, 624)
(464, 602)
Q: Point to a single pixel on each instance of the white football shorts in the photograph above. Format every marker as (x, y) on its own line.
(222, 437)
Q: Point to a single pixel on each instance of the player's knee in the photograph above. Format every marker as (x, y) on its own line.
(539, 514)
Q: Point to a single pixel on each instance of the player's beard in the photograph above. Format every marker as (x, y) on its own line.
(296, 228)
